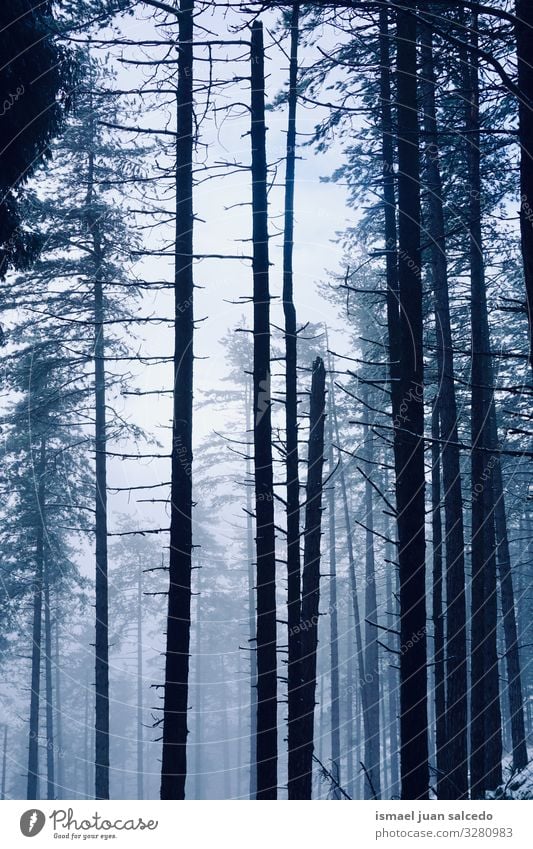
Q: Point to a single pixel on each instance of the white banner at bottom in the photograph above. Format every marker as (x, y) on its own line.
(267, 825)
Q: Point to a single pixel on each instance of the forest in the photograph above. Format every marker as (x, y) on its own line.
(266, 352)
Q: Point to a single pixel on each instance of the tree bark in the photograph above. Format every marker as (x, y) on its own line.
(291, 419)
(33, 745)
(311, 576)
(438, 614)
(372, 735)
(453, 781)
(485, 722)
(267, 733)
(524, 34)
(140, 707)
(333, 621)
(4, 765)
(50, 746)
(60, 786)
(175, 731)
(409, 425)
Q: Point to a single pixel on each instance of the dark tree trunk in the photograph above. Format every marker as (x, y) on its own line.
(174, 761)
(311, 576)
(50, 746)
(409, 425)
(333, 621)
(33, 746)
(392, 677)
(453, 783)
(485, 723)
(524, 35)
(267, 707)
(101, 775)
(291, 419)
(438, 618)
(101, 585)
(372, 736)
(140, 727)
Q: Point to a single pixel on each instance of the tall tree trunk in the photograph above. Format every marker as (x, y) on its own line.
(333, 621)
(33, 744)
(524, 34)
(291, 419)
(101, 585)
(311, 576)
(453, 784)
(100, 444)
(351, 562)
(4, 765)
(174, 761)
(409, 424)
(512, 655)
(392, 678)
(60, 786)
(87, 745)
(438, 618)
(485, 734)
(140, 707)
(50, 746)
(372, 736)
(351, 695)
(267, 706)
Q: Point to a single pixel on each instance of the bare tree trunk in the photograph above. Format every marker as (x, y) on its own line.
(140, 706)
(351, 695)
(453, 781)
(267, 706)
(4, 765)
(174, 760)
(311, 576)
(87, 745)
(438, 618)
(351, 561)
(333, 621)
(485, 736)
(512, 656)
(291, 414)
(100, 445)
(60, 786)
(409, 424)
(524, 34)
(372, 735)
(50, 746)
(33, 745)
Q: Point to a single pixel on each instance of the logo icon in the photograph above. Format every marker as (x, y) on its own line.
(32, 822)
